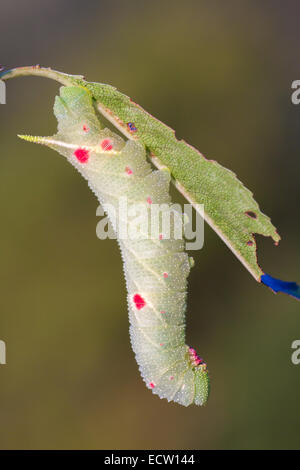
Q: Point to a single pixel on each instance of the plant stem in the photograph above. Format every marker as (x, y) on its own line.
(62, 78)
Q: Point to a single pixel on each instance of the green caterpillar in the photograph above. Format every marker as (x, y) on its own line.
(156, 270)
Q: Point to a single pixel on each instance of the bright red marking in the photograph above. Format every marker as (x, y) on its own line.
(139, 301)
(166, 275)
(152, 385)
(149, 200)
(106, 145)
(161, 237)
(162, 312)
(195, 359)
(249, 243)
(172, 377)
(85, 128)
(82, 155)
(128, 170)
(161, 344)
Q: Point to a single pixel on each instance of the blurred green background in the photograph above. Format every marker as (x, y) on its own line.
(219, 73)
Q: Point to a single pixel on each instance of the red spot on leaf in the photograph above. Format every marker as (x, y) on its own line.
(106, 145)
(166, 275)
(82, 155)
(139, 301)
(85, 128)
(149, 200)
(172, 377)
(152, 385)
(251, 214)
(161, 237)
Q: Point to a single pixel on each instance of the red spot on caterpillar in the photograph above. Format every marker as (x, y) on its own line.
(166, 275)
(128, 170)
(85, 128)
(152, 385)
(106, 145)
(194, 358)
(139, 301)
(82, 155)
(149, 200)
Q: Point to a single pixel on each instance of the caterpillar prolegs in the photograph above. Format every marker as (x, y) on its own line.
(156, 270)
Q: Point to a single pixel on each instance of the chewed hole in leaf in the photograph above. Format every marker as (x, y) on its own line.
(251, 214)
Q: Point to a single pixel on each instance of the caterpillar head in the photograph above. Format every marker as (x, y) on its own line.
(98, 154)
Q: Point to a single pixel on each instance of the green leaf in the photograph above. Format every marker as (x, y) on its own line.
(229, 206)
